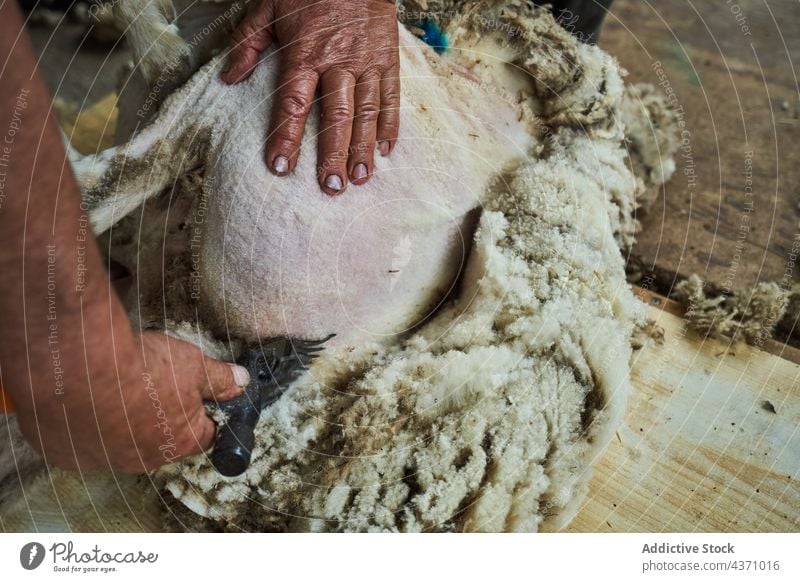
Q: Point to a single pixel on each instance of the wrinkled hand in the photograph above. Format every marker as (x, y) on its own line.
(349, 48)
(152, 415)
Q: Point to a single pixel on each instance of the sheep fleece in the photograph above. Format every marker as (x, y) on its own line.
(489, 415)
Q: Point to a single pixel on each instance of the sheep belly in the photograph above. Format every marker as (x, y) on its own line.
(279, 257)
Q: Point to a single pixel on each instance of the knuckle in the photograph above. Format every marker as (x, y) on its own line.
(367, 120)
(283, 143)
(389, 125)
(244, 37)
(391, 95)
(337, 113)
(361, 151)
(332, 159)
(387, 134)
(294, 105)
(369, 109)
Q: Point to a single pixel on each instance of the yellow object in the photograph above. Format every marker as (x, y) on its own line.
(92, 129)
(6, 406)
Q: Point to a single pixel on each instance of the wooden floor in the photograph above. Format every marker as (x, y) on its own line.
(736, 81)
(710, 443)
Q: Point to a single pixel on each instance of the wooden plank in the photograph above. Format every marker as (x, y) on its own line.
(738, 89)
(97, 501)
(701, 448)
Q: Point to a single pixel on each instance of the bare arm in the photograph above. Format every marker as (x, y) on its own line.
(89, 391)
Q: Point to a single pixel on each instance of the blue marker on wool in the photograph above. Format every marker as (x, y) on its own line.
(433, 36)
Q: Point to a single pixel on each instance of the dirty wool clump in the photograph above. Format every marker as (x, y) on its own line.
(750, 314)
(650, 138)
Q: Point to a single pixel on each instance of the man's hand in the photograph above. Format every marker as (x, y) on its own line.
(149, 415)
(347, 47)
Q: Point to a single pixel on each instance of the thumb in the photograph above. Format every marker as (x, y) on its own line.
(223, 380)
(252, 37)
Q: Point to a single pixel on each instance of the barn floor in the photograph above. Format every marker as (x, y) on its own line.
(711, 441)
(732, 211)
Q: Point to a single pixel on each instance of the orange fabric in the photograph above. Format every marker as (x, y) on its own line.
(5, 402)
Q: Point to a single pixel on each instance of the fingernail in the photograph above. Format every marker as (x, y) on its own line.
(280, 164)
(383, 147)
(240, 375)
(333, 182)
(360, 171)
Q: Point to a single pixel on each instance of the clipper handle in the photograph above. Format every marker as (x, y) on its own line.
(273, 365)
(235, 441)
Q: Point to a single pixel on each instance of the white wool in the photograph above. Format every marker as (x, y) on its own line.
(156, 44)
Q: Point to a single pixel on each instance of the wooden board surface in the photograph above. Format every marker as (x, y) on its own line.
(710, 443)
(739, 92)
(93, 502)
(699, 450)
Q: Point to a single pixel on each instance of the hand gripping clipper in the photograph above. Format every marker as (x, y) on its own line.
(273, 365)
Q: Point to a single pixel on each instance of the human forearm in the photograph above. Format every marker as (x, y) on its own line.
(55, 284)
(89, 391)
